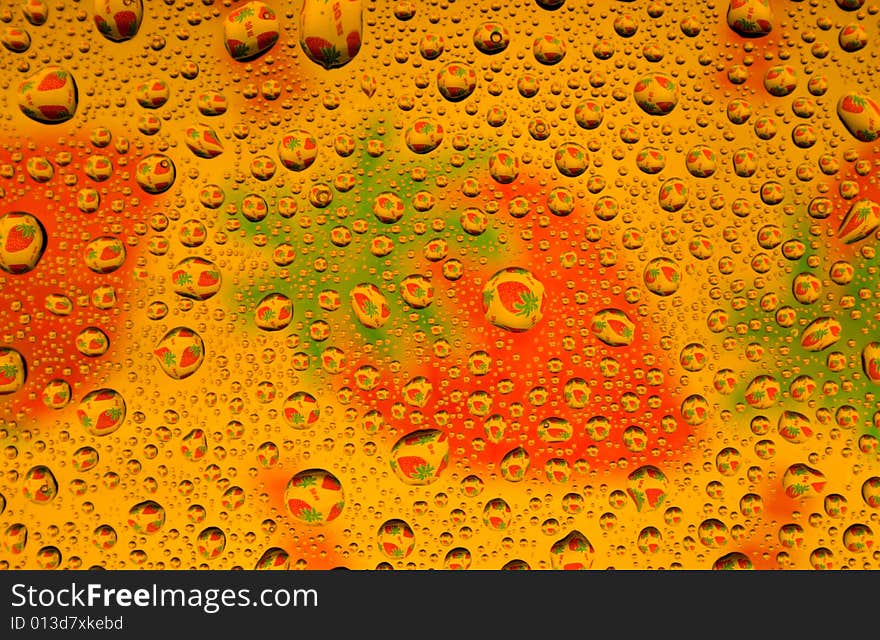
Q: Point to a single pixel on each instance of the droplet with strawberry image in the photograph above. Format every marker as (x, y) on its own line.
(104, 254)
(146, 517)
(92, 342)
(750, 18)
(203, 141)
(274, 312)
(40, 485)
(574, 552)
(23, 241)
(513, 299)
(331, 33)
(396, 539)
(118, 20)
(15, 538)
(101, 412)
(13, 370)
(180, 352)
(155, 173)
(861, 220)
(297, 150)
(250, 31)
(314, 496)
(196, 278)
(656, 94)
(860, 114)
(57, 393)
(211, 543)
(273, 559)
(370, 306)
(49, 96)
(419, 457)
(647, 487)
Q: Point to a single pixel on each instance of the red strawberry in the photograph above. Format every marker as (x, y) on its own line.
(96, 344)
(321, 51)
(331, 483)
(653, 496)
(298, 506)
(208, 278)
(233, 46)
(415, 467)
(126, 23)
(517, 298)
(190, 356)
(54, 80)
(391, 549)
(619, 328)
(266, 39)
(335, 510)
(108, 418)
(54, 112)
(7, 374)
(110, 252)
(20, 237)
(364, 304)
(354, 43)
(102, 25)
(165, 355)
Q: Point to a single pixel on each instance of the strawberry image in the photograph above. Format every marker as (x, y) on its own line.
(108, 419)
(166, 356)
(126, 23)
(237, 49)
(303, 510)
(190, 356)
(103, 26)
(517, 297)
(208, 279)
(414, 467)
(364, 304)
(335, 510)
(110, 252)
(266, 39)
(20, 237)
(619, 328)
(353, 41)
(654, 497)
(96, 344)
(8, 374)
(52, 81)
(321, 51)
(853, 104)
(181, 278)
